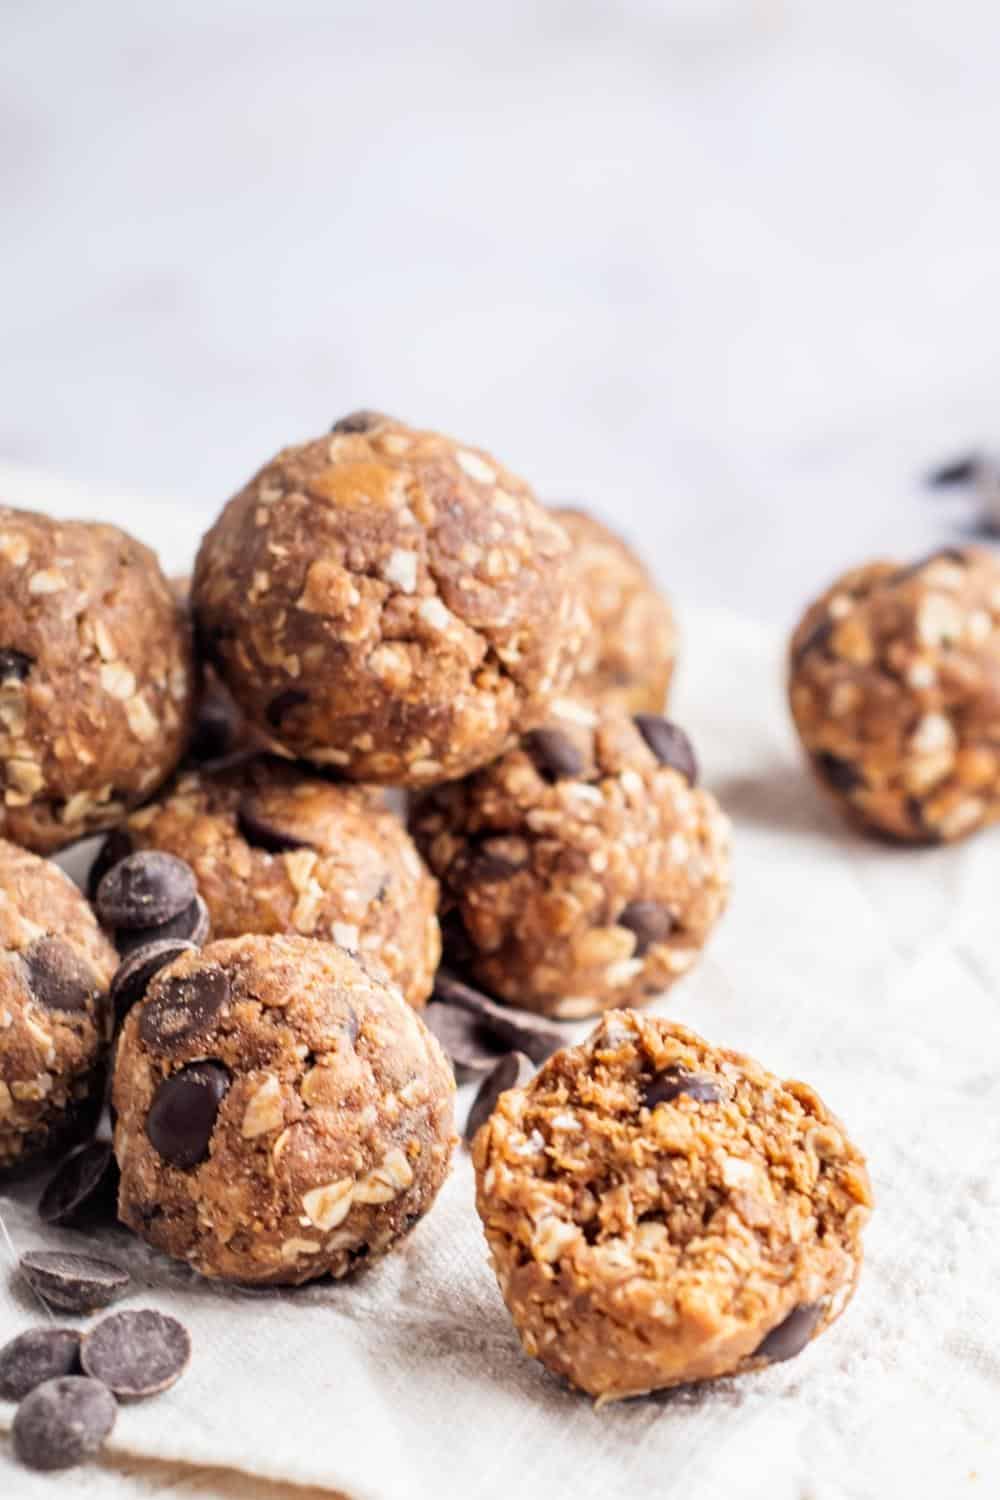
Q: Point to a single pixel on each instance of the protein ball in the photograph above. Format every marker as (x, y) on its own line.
(389, 602)
(281, 1114)
(660, 1211)
(55, 1014)
(583, 868)
(96, 678)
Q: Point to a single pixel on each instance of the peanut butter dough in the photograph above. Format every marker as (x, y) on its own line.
(96, 678)
(55, 1016)
(629, 655)
(277, 849)
(389, 602)
(582, 870)
(660, 1211)
(894, 684)
(281, 1114)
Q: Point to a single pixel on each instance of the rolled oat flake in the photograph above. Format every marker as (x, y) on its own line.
(138, 1353)
(63, 1422)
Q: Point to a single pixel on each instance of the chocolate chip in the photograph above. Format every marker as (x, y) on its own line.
(57, 976)
(512, 1029)
(511, 1072)
(554, 753)
(472, 1048)
(74, 1283)
(359, 421)
(83, 1189)
(279, 707)
(842, 775)
(216, 729)
(651, 922)
(669, 744)
(792, 1334)
(135, 974)
(957, 471)
(485, 866)
(183, 1112)
(14, 665)
(183, 1007)
(145, 890)
(33, 1357)
(262, 831)
(674, 1081)
(63, 1422)
(192, 925)
(137, 1353)
(116, 847)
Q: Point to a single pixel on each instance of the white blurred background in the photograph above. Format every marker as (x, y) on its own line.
(726, 270)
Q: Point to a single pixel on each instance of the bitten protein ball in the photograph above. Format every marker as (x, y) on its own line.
(583, 870)
(55, 1016)
(96, 678)
(389, 602)
(629, 655)
(281, 1115)
(894, 685)
(661, 1211)
(275, 849)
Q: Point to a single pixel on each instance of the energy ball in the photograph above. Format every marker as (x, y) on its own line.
(281, 1114)
(55, 1015)
(661, 1211)
(894, 685)
(584, 869)
(389, 602)
(276, 849)
(629, 656)
(96, 678)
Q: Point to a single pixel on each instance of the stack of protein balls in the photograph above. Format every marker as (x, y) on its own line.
(386, 608)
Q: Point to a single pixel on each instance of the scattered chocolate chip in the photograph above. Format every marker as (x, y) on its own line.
(674, 1081)
(33, 1357)
(83, 1189)
(63, 1422)
(136, 972)
(183, 1112)
(57, 976)
(472, 1047)
(283, 704)
(14, 665)
(137, 1353)
(192, 925)
(74, 1283)
(116, 847)
(651, 922)
(957, 471)
(264, 832)
(669, 744)
(554, 753)
(511, 1072)
(183, 1007)
(145, 890)
(792, 1334)
(842, 775)
(514, 1030)
(359, 421)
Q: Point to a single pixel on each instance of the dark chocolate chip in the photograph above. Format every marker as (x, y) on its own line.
(511, 1072)
(283, 704)
(135, 974)
(669, 744)
(486, 866)
(262, 831)
(58, 977)
(472, 1048)
(674, 1081)
(512, 1029)
(957, 471)
(183, 1112)
(116, 847)
(145, 890)
(842, 775)
(83, 1189)
(554, 753)
(14, 665)
(33, 1357)
(651, 922)
(74, 1283)
(183, 1007)
(137, 1353)
(792, 1334)
(63, 1422)
(191, 925)
(359, 421)
(217, 728)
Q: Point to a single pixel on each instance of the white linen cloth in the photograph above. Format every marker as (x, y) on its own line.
(872, 972)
